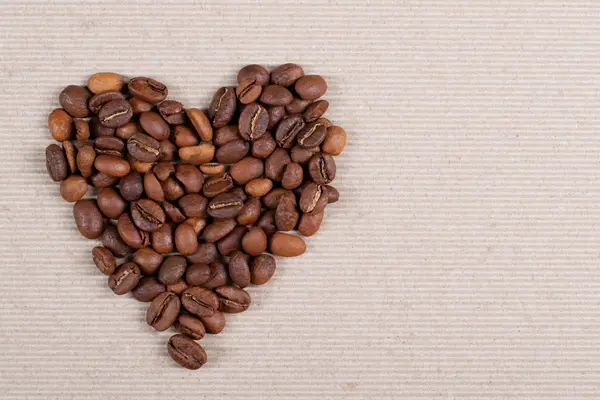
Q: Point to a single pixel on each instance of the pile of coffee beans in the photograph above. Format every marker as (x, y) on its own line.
(191, 206)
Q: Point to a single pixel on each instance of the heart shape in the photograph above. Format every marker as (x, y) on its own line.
(192, 206)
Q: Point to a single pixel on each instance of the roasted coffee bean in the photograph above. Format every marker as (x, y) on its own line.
(172, 111)
(275, 164)
(178, 287)
(293, 176)
(143, 147)
(200, 301)
(112, 165)
(100, 180)
(218, 276)
(276, 113)
(232, 152)
(100, 100)
(197, 155)
(198, 223)
(232, 299)
(312, 135)
(131, 186)
(248, 91)
(239, 193)
(147, 215)
(253, 121)
(130, 234)
(187, 353)
(263, 147)
(125, 278)
(109, 145)
(184, 136)
(164, 170)
(190, 326)
(287, 130)
(218, 230)
(225, 205)
(222, 107)
(314, 111)
(198, 274)
(82, 129)
(163, 311)
(246, 169)
(186, 241)
(71, 155)
(85, 160)
(226, 134)
(254, 241)
(190, 177)
(193, 205)
(147, 289)
(154, 125)
(322, 168)
(148, 89)
(139, 166)
(173, 213)
(267, 222)
(301, 155)
(215, 323)
(297, 106)
(128, 130)
(310, 224)
(332, 194)
(115, 113)
(272, 198)
(238, 268)
(88, 218)
(286, 74)
(148, 260)
(217, 184)
(60, 125)
(206, 253)
(310, 87)
(139, 106)
(200, 123)
(168, 151)
(258, 187)
(56, 163)
(335, 141)
(233, 241)
(172, 269)
(262, 269)
(99, 130)
(212, 168)
(162, 239)
(275, 95)
(325, 122)
(104, 260)
(286, 245)
(173, 189)
(313, 199)
(112, 241)
(102, 82)
(286, 214)
(111, 204)
(74, 100)
(153, 188)
(255, 72)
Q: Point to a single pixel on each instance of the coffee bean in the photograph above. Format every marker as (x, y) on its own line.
(313, 199)
(173, 212)
(206, 253)
(131, 186)
(254, 241)
(226, 134)
(190, 326)
(102, 82)
(100, 100)
(139, 106)
(71, 155)
(110, 203)
(60, 125)
(200, 301)
(198, 274)
(248, 91)
(186, 241)
(287, 130)
(130, 234)
(125, 278)
(201, 123)
(212, 168)
(272, 198)
(147, 215)
(215, 323)
(314, 111)
(322, 168)
(173, 189)
(147, 289)
(197, 155)
(109, 145)
(198, 223)
(262, 269)
(148, 89)
(297, 106)
(74, 99)
(238, 268)
(275, 95)
(217, 184)
(250, 212)
(99, 130)
(82, 129)
(115, 113)
(325, 122)
(232, 299)
(164, 170)
(162, 239)
(332, 194)
(139, 166)
(239, 193)
(310, 87)
(112, 165)
(255, 72)
(246, 169)
(143, 147)
(259, 187)
(184, 136)
(112, 241)
(286, 214)
(222, 107)
(233, 241)
(225, 205)
(178, 287)
(88, 218)
(193, 205)
(152, 187)
(187, 353)
(312, 135)
(56, 163)
(148, 260)
(263, 147)
(218, 230)
(85, 160)
(309, 224)
(276, 113)
(253, 121)
(168, 151)
(100, 180)
(128, 130)
(219, 276)
(286, 74)
(293, 175)
(105, 260)
(232, 152)
(163, 311)
(275, 164)
(286, 245)
(172, 269)
(335, 141)
(172, 111)
(154, 125)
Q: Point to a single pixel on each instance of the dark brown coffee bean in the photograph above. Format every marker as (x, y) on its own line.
(168, 151)
(128, 130)
(193, 205)
(112, 165)
(301, 155)
(186, 241)
(148, 260)
(147, 289)
(74, 100)
(130, 234)
(313, 199)
(162, 239)
(98, 101)
(56, 163)
(197, 155)
(310, 224)
(286, 74)
(111, 203)
(293, 176)
(232, 299)
(82, 129)
(253, 121)
(254, 72)
(219, 276)
(286, 245)
(332, 194)
(217, 184)
(125, 278)
(109, 145)
(287, 130)
(286, 214)
(200, 301)
(85, 160)
(172, 111)
(104, 260)
(147, 215)
(173, 212)
(222, 107)
(262, 269)
(267, 222)
(271, 200)
(218, 230)
(250, 212)
(233, 241)
(206, 253)
(225, 205)
(154, 125)
(314, 111)
(275, 164)
(276, 113)
(163, 170)
(232, 152)
(99, 130)
(310, 87)
(215, 323)
(131, 186)
(139, 106)
(201, 124)
(258, 187)
(102, 82)
(187, 353)
(88, 218)
(238, 268)
(198, 223)
(226, 134)
(143, 147)
(100, 180)
(248, 91)
(239, 193)
(148, 89)
(297, 106)
(312, 135)
(254, 241)
(172, 269)
(198, 274)
(322, 168)
(190, 326)
(263, 147)
(275, 95)
(112, 241)
(163, 311)
(178, 287)
(173, 189)
(115, 113)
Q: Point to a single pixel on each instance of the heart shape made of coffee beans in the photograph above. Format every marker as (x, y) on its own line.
(192, 206)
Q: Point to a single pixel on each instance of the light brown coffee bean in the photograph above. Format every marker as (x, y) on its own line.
(184, 136)
(254, 241)
(310, 224)
(259, 187)
(148, 260)
(246, 169)
(215, 323)
(197, 155)
(82, 129)
(310, 87)
(218, 230)
(293, 176)
(262, 269)
(105, 260)
(238, 268)
(335, 141)
(286, 245)
(250, 213)
(186, 241)
(212, 168)
(248, 91)
(60, 124)
(73, 188)
(102, 82)
(201, 123)
(232, 299)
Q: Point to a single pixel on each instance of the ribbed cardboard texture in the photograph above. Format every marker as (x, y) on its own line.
(461, 262)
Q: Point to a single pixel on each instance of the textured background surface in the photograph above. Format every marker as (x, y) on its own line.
(461, 263)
